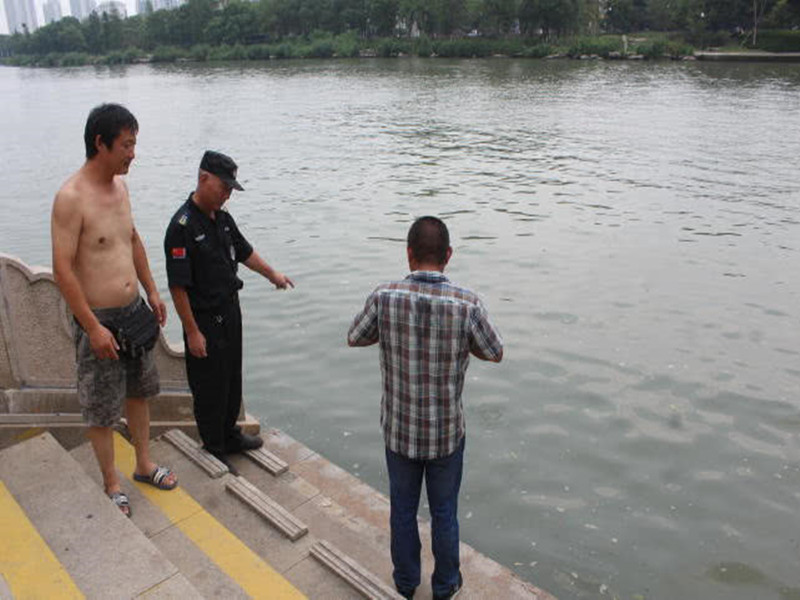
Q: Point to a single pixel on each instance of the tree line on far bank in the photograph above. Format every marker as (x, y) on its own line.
(241, 29)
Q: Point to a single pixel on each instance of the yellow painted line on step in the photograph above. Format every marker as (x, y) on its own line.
(27, 564)
(227, 551)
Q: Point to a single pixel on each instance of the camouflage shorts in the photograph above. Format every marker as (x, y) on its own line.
(103, 385)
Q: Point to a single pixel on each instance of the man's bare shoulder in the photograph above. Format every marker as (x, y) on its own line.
(81, 190)
(70, 192)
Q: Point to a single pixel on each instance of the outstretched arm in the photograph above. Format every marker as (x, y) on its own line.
(255, 263)
(364, 329)
(485, 341)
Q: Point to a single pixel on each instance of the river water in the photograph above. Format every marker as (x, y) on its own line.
(632, 227)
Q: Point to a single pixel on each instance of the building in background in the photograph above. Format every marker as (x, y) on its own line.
(145, 6)
(19, 13)
(167, 4)
(52, 11)
(81, 9)
(111, 7)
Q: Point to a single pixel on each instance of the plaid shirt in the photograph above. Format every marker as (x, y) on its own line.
(426, 327)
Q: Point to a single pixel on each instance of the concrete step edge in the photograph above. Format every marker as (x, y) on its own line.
(351, 571)
(34, 419)
(268, 461)
(292, 527)
(209, 463)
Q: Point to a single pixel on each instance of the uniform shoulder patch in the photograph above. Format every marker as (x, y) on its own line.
(184, 219)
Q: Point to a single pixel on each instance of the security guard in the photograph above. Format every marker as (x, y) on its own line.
(204, 247)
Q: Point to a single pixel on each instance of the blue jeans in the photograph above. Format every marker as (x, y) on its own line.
(443, 482)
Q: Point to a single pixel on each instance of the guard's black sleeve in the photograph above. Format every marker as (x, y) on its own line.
(241, 246)
(177, 251)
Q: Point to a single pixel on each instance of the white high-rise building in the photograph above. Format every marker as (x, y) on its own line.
(52, 11)
(81, 9)
(19, 13)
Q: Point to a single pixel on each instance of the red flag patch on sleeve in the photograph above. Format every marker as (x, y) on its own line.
(179, 253)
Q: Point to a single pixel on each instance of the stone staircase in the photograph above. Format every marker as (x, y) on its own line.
(79, 543)
(291, 525)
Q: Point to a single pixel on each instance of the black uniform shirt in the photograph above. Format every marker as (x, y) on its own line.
(203, 255)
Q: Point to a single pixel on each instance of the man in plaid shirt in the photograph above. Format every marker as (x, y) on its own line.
(427, 328)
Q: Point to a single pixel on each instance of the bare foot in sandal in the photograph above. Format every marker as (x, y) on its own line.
(161, 477)
(121, 500)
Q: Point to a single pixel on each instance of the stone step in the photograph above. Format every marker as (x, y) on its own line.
(191, 449)
(268, 461)
(352, 572)
(69, 429)
(26, 559)
(104, 553)
(37, 419)
(290, 559)
(169, 405)
(213, 558)
(292, 527)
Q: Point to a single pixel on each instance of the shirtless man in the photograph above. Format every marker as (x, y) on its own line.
(98, 262)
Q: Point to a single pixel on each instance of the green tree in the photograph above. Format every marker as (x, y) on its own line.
(414, 13)
(382, 17)
(286, 19)
(158, 29)
(112, 31)
(69, 37)
(448, 16)
(786, 13)
(492, 17)
(626, 15)
(93, 32)
(552, 17)
(192, 19)
(234, 23)
(662, 14)
(133, 32)
(350, 15)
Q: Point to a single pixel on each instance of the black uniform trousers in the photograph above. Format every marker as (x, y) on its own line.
(216, 380)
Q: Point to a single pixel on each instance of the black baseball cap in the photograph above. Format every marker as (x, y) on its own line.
(222, 166)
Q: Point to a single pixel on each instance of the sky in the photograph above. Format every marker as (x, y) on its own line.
(64, 11)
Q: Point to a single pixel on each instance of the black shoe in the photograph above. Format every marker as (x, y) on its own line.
(405, 594)
(225, 461)
(245, 442)
(453, 590)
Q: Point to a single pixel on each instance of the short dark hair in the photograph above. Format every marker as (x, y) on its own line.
(429, 240)
(107, 121)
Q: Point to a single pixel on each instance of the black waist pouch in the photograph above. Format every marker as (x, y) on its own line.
(136, 332)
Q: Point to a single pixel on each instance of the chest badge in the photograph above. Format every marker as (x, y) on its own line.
(233, 253)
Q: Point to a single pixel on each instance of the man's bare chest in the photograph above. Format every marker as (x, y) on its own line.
(106, 227)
